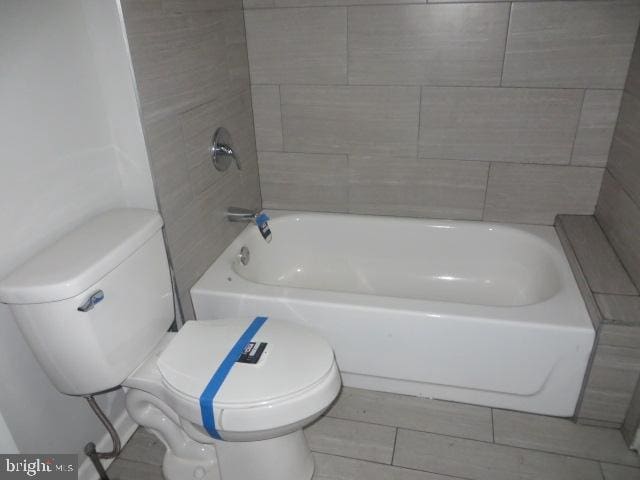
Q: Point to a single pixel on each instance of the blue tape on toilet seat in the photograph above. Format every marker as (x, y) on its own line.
(218, 378)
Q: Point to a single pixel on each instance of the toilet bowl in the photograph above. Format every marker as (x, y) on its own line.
(228, 398)
(259, 411)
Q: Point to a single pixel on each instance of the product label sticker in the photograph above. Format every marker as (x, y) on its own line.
(252, 352)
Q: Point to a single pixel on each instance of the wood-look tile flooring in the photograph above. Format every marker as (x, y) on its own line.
(380, 436)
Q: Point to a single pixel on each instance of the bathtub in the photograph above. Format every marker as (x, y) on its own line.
(472, 312)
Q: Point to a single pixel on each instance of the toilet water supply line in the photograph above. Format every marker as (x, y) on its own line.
(90, 448)
(206, 399)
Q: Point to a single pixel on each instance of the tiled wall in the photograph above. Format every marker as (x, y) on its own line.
(613, 303)
(190, 63)
(618, 210)
(488, 110)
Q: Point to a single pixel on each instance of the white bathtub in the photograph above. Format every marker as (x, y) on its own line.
(472, 312)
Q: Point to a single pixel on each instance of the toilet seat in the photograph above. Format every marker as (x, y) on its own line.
(295, 379)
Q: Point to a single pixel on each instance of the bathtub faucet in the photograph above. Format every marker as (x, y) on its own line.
(237, 214)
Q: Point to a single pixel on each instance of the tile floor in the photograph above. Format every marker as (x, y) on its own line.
(380, 436)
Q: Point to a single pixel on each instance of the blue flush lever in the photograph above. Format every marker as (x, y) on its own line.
(93, 300)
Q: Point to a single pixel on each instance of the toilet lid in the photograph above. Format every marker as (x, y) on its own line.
(294, 359)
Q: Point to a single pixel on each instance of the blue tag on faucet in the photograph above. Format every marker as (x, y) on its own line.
(262, 222)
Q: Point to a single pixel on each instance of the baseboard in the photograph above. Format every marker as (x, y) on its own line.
(125, 426)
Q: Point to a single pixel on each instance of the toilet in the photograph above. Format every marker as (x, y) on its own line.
(228, 397)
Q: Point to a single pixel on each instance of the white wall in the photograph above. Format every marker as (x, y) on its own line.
(106, 30)
(7, 443)
(70, 146)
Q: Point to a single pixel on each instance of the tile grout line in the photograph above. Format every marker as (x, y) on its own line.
(493, 427)
(488, 442)
(439, 85)
(506, 41)
(386, 3)
(601, 470)
(467, 160)
(603, 320)
(556, 454)
(347, 13)
(395, 444)
(406, 428)
(349, 183)
(484, 201)
(281, 116)
(621, 186)
(419, 122)
(399, 467)
(578, 123)
(569, 455)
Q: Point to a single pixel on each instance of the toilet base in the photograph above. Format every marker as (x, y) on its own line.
(179, 468)
(281, 458)
(287, 457)
(185, 458)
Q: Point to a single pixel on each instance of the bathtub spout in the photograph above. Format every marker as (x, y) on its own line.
(237, 214)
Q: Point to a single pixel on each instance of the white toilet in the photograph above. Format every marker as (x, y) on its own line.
(95, 308)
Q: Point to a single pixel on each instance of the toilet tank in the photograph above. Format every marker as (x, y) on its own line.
(119, 255)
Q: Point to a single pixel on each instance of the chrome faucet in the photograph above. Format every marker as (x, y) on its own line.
(237, 214)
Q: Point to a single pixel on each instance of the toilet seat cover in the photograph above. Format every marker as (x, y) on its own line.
(294, 359)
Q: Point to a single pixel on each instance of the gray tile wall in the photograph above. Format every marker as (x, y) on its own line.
(618, 208)
(618, 212)
(191, 67)
(619, 204)
(614, 305)
(474, 110)
(612, 379)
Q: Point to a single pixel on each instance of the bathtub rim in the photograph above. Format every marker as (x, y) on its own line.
(542, 243)
(568, 299)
